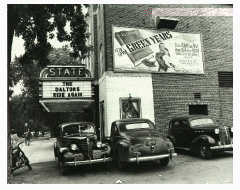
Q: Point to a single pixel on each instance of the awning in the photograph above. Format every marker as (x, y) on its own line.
(67, 105)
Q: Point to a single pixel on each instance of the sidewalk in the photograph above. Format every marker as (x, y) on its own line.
(39, 150)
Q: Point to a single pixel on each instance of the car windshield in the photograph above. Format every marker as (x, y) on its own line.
(77, 129)
(203, 121)
(131, 126)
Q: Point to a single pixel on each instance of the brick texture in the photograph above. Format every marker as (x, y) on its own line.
(172, 93)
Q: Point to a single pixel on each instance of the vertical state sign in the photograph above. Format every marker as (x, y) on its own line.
(147, 50)
(66, 89)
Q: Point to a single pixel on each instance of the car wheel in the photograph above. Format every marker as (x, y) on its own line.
(55, 153)
(108, 164)
(164, 161)
(204, 150)
(64, 169)
(121, 164)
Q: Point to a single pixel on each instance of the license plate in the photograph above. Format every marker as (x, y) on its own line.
(150, 143)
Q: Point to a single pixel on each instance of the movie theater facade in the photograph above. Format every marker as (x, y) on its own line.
(177, 62)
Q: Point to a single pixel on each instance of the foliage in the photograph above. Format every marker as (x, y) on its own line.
(37, 22)
(15, 117)
(62, 56)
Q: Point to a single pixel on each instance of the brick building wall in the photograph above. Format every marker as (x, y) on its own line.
(172, 93)
(101, 40)
(226, 111)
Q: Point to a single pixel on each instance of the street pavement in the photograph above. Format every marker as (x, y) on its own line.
(39, 150)
(183, 169)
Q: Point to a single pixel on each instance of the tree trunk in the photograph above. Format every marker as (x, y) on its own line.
(10, 32)
(10, 28)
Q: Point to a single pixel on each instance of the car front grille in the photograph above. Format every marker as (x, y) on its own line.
(224, 135)
(86, 146)
(79, 157)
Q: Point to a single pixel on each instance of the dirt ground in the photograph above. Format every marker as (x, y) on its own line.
(183, 169)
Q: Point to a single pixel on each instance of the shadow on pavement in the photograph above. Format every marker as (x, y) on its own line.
(215, 156)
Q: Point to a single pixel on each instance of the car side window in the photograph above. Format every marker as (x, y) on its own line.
(112, 129)
(184, 124)
(176, 125)
(115, 130)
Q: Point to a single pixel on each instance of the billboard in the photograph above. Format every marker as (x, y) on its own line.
(146, 50)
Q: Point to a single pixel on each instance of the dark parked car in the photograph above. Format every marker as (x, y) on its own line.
(199, 134)
(77, 144)
(137, 140)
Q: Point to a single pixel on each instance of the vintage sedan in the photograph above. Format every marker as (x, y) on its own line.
(200, 135)
(77, 144)
(137, 140)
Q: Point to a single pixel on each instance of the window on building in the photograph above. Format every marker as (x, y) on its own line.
(130, 108)
(225, 79)
(198, 109)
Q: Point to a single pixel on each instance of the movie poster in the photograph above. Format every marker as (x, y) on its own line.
(147, 50)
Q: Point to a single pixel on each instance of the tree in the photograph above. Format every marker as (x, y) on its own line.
(62, 56)
(36, 23)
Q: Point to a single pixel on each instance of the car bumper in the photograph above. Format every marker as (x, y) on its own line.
(222, 147)
(150, 158)
(84, 162)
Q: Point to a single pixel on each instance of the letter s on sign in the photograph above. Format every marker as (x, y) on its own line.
(52, 72)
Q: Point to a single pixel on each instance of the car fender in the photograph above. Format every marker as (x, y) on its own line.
(122, 147)
(171, 138)
(208, 139)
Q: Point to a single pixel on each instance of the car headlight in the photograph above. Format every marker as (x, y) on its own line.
(99, 144)
(74, 147)
(232, 129)
(217, 131)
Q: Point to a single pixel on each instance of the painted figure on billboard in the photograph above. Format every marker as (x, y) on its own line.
(163, 59)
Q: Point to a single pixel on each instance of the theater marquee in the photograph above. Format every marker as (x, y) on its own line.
(137, 49)
(66, 88)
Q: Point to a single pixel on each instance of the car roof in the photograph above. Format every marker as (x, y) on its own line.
(190, 117)
(75, 123)
(132, 119)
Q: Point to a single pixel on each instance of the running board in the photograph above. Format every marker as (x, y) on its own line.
(182, 148)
